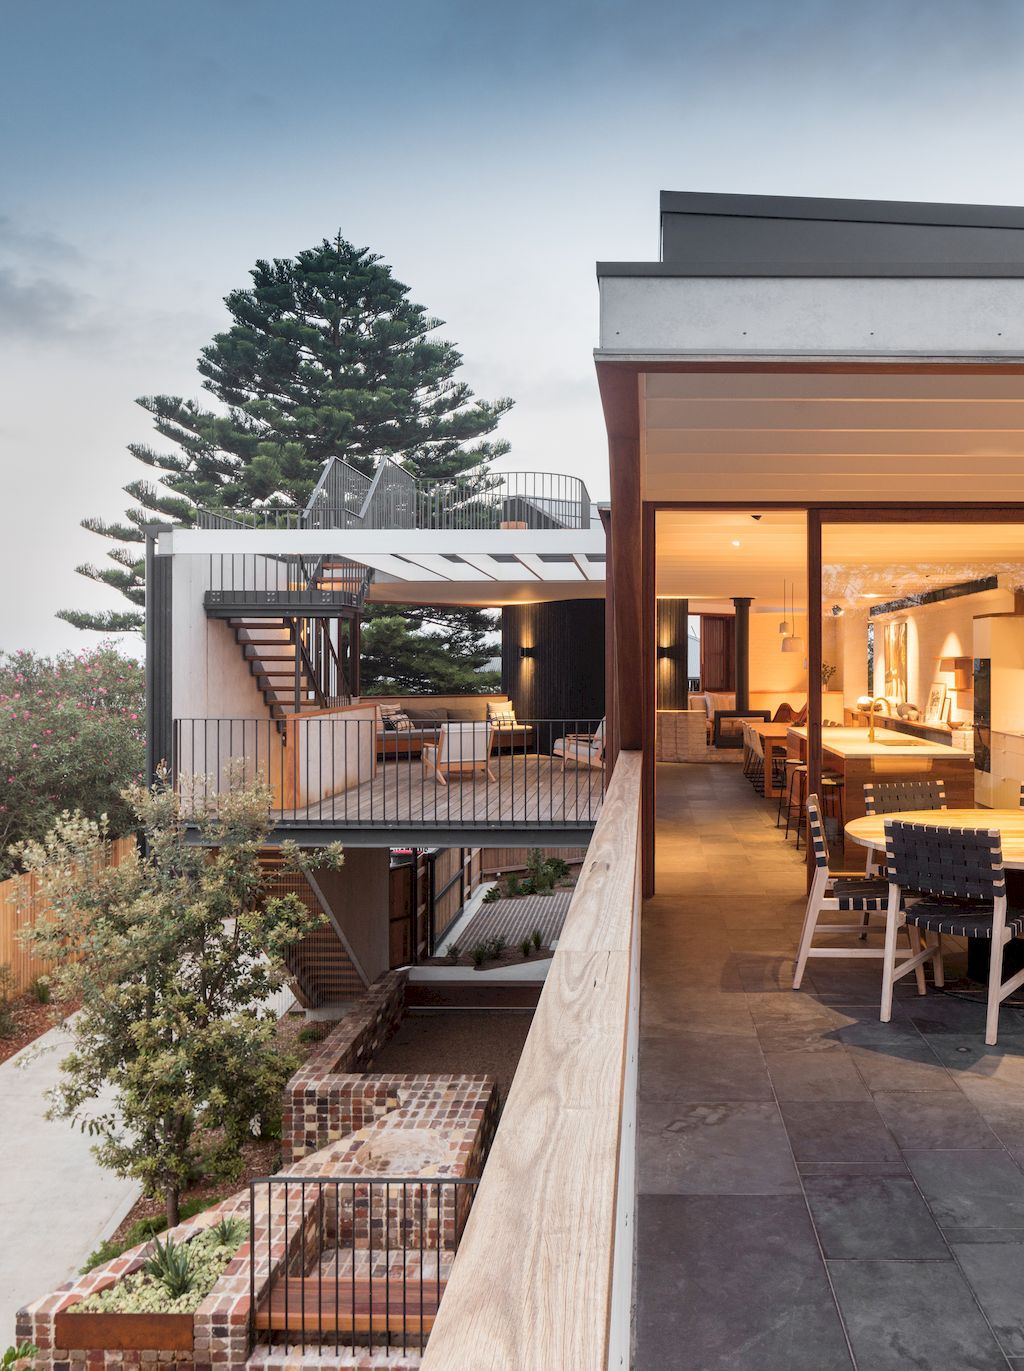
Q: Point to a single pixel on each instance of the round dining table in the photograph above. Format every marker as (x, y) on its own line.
(1009, 823)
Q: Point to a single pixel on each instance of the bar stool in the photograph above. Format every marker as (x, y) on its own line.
(786, 790)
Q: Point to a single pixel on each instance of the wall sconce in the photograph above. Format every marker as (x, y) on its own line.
(527, 652)
(664, 652)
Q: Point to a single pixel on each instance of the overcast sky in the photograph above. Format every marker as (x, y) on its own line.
(151, 150)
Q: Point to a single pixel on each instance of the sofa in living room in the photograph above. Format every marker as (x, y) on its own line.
(406, 722)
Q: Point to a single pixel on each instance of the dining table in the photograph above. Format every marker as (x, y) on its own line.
(773, 740)
(869, 831)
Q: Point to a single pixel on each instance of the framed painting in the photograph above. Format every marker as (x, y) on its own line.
(895, 650)
(938, 706)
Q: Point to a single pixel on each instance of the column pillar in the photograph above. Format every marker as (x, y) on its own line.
(742, 653)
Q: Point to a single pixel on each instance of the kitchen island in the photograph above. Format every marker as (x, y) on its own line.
(890, 756)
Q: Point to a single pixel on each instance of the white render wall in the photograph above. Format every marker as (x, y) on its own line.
(209, 676)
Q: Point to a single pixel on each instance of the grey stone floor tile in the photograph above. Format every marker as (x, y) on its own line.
(872, 1216)
(838, 1131)
(667, 1010)
(1000, 1104)
(732, 1284)
(814, 1074)
(892, 1057)
(911, 1314)
(896, 1167)
(959, 1236)
(935, 1119)
(727, 1148)
(970, 1189)
(685, 1065)
(996, 1274)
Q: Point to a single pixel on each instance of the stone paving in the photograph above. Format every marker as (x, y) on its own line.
(818, 1191)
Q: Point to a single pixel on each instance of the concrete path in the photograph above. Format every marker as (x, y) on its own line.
(56, 1202)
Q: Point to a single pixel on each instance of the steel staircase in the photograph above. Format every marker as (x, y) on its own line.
(319, 966)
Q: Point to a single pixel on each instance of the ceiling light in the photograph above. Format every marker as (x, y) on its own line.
(735, 542)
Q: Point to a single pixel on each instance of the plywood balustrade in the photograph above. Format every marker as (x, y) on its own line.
(532, 1285)
(22, 905)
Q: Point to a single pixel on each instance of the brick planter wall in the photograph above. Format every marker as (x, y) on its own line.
(321, 1101)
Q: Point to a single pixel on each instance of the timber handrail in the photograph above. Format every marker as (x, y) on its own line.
(542, 1273)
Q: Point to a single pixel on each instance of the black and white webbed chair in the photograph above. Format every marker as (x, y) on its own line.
(892, 797)
(949, 880)
(838, 892)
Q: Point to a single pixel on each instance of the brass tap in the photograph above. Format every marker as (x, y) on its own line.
(878, 700)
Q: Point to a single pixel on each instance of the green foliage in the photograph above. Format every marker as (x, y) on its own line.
(526, 946)
(492, 895)
(141, 1231)
(454, 951)
(7, 1024)
(230, 1231)
(326, 355)
(22, 1352)
(410, 652)
(173, 955)
(176, 1278)
(513, 887)
(171, 1265)
(536, 939)
(478, 955)
(40, 991)
(311, 1033)
(72, 735)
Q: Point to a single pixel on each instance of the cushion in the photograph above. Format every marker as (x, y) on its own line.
(427, 714)
(395, 719)
(467, 714)
(501, 713)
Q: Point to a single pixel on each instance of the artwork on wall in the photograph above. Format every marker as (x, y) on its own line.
(896, 661)
(938, 705)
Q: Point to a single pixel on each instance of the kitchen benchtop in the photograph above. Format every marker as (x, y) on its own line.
(853, 742)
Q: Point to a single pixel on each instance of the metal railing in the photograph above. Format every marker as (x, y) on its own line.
(344, 769)
(352, 1263)
(238, 579)
(393, 498)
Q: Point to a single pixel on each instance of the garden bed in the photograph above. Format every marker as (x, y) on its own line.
(154, 1304)
(31, 1021)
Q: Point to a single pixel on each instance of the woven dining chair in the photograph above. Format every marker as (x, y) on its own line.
(837, 892)
(949, 880)
(890, 797)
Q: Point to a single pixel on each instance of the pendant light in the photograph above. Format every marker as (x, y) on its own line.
(791, 643)
(784, 625)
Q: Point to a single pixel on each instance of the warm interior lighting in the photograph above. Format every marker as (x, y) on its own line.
(735, 542)
(526, 651)
(791, 643)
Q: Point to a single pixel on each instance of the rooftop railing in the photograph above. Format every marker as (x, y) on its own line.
(345, 498)
(341, 768)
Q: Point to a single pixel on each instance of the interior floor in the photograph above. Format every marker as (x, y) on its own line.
(817, 1190)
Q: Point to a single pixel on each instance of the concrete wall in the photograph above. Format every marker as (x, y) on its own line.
(359, 899)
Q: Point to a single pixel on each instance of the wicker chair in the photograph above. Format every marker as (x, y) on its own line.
(837, 892)
(957, 873)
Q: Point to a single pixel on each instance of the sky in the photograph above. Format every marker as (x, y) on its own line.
(151, 151)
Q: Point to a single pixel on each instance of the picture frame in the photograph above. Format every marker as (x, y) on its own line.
(895, 660)
(937, 708)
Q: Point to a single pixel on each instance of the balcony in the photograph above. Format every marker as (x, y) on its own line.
(338, 771)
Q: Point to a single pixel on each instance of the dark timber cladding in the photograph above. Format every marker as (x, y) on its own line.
(672, 668)
(159, 719)
(562, 677)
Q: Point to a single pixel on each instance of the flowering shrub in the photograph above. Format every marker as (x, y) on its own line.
(72, 736)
